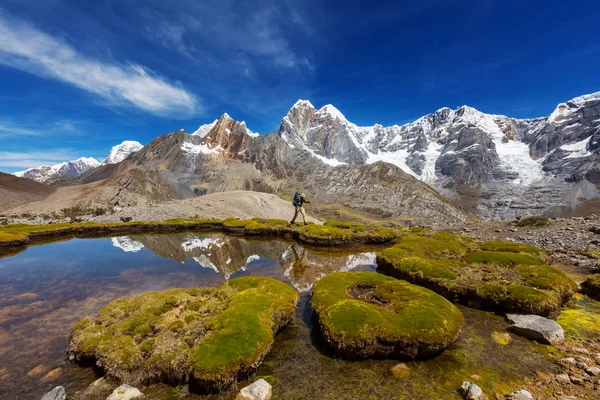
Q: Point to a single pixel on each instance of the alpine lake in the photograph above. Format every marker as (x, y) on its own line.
(46, 289)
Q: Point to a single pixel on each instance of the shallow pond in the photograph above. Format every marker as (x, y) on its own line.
(46, 289)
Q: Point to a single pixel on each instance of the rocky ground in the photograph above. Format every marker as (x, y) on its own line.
(570, 241)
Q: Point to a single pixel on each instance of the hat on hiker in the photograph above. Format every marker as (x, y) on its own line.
(301, 194)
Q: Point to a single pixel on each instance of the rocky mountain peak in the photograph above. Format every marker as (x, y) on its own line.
(228, 136)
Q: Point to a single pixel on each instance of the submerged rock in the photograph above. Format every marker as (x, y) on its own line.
(52, 375)
(536, 328)
(126, 392)
(366, 314)
(471, 391)
(494, 275)
(207, 336)
(259, 390)
(58, 393)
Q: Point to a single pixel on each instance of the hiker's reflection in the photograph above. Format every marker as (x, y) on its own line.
(300, 263)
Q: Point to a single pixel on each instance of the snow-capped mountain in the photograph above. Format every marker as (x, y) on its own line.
(74, 168)
(121, 151)
(505, 161)
(63, 170)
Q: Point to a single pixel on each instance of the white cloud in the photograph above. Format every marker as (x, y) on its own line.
(7, 129)
(33, 159)
(62, 127)
(24, 47)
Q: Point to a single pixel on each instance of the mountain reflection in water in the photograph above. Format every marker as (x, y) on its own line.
(227, 255)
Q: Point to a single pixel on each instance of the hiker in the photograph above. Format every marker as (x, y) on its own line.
(298, 203)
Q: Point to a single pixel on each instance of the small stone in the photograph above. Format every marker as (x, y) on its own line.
(58, 393)
(563, 397)
(514, 230)
(563, 378)
(126, 392)
(582, 365)
(576, 379)
(126, 219)
(536, 328)
(584, 359)
(581, 350)
(502, 338)
(497, 230)
(594, 371)
(568, 360)
(52, 375)
(259, 390)
(471, 391)
(520, 395)
(401, 371)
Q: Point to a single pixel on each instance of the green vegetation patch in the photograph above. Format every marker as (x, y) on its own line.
(533, 221)
(205, 336)
(495, 275)
(510, 247)
(502, 258)
(365, 314)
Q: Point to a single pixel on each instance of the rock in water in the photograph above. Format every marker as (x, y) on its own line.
(471, 391)
(126, 392)
(97, 388)
(520, 395)
(259, 390)
(536, 328)
(58, 393)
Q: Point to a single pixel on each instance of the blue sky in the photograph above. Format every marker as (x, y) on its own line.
(77, 77)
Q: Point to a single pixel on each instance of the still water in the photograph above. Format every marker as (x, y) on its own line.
(46, 289)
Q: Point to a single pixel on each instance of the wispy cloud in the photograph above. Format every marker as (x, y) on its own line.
(62, 127)
(24, 47)
(32, 159)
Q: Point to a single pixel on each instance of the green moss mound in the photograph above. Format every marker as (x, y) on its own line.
(209, 337)
(365, 314)
(591, 286)
(495, 275)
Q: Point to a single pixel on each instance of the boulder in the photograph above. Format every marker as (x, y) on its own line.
(594, 371)
(126, 219)
(563, 378)
(519, 395)
(536, 328)
(471, 391)
(259, 390)
(126, 392)
(58, 393)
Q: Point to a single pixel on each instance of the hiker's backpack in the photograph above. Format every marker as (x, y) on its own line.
(296, 201)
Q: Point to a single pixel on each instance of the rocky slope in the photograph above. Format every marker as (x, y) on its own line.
(74, 168)
(15, 191)
(502, 166)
